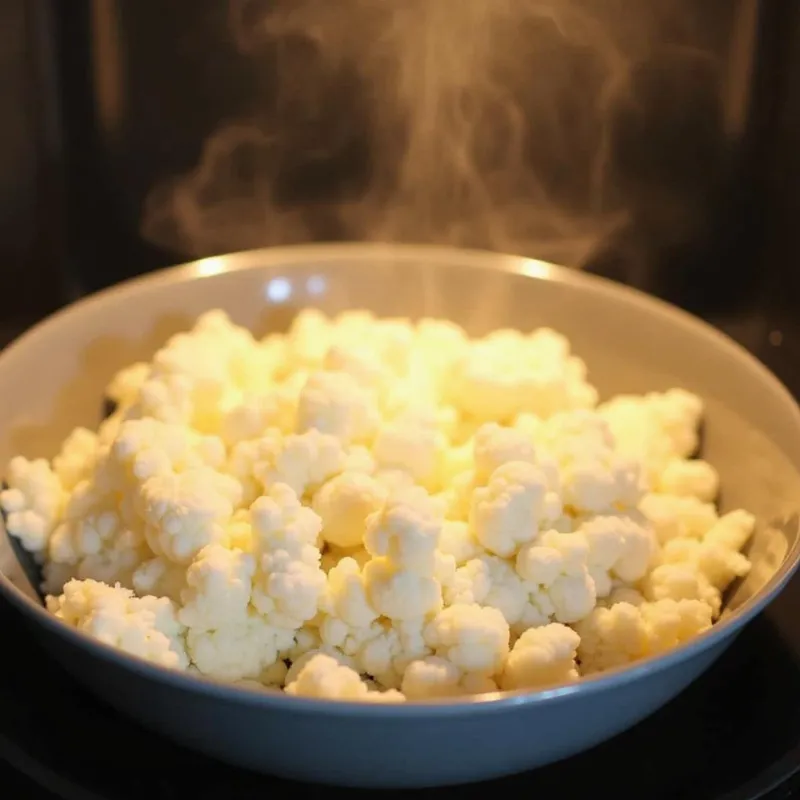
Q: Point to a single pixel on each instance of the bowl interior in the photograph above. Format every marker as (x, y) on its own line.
(53, 378)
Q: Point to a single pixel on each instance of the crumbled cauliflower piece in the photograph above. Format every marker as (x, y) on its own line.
(682, 580)
(405, 531)
(32, 503)
(413, 446)
(325, 678)
(434, 677)
(144, 448)
(125, 385)
(289, 580)
(218, 586)
(557, 578)
(689, 478)
(733, 530)
(717, 555)
(655, 428)
(473, 638)
(595, 478)
(494, 446)
(345, 598)
(511, 510)
(335, 403)
(237, 650)
(344, 504)
(160, 577)
(621, 546)
(288, 586)
(302, 461)
(508, 373)
(184, 512)
(678, 517)
(398, 593)
(146, 627)
(612, 637)
(280, 522)
(254, 415)
(542, 657)
(457, 540)
(77, 458)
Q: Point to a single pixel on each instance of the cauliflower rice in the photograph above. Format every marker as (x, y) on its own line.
(379, 510)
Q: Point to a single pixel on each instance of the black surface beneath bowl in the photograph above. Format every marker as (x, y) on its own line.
(734, 735)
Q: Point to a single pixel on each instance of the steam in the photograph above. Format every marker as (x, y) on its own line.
(479, 123)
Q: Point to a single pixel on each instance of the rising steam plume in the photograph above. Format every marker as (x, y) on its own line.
(482, 123)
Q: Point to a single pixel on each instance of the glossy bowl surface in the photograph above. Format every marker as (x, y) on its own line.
(53, 377)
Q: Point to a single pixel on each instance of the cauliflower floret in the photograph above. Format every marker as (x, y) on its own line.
(542, 657)
(186, 511)
(654, 428)
(732, 530)
(512, 509)
(557, 579)
(308, 339)
(689, 478)
(290, 580)
(622, 594)
(336, 404)
(125, 385)
(350, 625)
(457, 540)
(438, 348)
(681, 580)
(414, 446)
(507, 373)
(83, 533)
(218, 586)
(594, 477)
(324, 677)
(401, 594)
(179, 400)
(435, 677)
(382, 649)
(253, 415)
(280, 522)
(344, 504)
(77, 458)
(621, 547)
(405, 531)
(489, 581)
(302, 461)
(144, 448)
(716, 557)
(612, 637)
(675, 517)
(32, 503)
(146, 627)
(237, 650)
(214, 352)
(160, 577)
(494, 446)
(288, 586)
(345, 599)
(93, 547)
(473, 638)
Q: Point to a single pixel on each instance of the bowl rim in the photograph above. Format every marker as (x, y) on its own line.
(293, 256)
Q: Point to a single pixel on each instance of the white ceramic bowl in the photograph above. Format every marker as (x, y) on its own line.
(53, 378)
